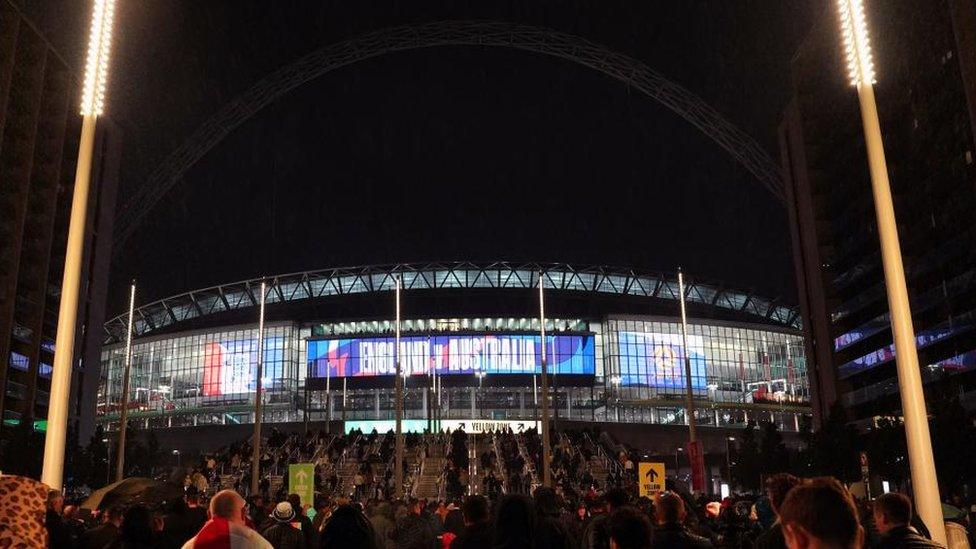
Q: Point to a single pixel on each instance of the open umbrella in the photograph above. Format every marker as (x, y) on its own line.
(950, 512)
(132, 490)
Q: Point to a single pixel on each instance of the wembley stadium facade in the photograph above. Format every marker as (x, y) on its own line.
(470, 351)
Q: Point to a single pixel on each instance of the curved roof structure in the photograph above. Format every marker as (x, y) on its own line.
(632, 72)
(560, 277)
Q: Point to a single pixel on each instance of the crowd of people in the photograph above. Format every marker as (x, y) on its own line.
(807, 513)
(507, 509)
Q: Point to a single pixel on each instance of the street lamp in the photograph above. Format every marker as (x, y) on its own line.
(728, 457)
(108, 461)
(857, 49)
(92, 103)
(177, 454)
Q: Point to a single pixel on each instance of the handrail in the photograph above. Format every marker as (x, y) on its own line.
(607, 459)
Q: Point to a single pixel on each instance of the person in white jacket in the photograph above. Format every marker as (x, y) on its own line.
(226, 528)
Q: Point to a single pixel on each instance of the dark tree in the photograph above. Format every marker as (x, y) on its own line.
(773, 455)
(747, 469)
(833, 450)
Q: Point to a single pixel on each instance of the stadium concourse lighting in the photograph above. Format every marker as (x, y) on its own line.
(93, 101)
(860, 67)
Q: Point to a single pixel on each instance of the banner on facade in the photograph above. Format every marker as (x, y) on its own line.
(696, 457)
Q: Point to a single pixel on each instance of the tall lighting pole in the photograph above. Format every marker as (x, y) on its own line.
(860, 66)
(93, 97)
(546, 476)
(689, 394)
(256, 446)
(398, 462)
(127, 372)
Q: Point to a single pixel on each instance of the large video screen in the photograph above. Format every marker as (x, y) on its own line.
(657, 360)
(230, 365)
(451, 354)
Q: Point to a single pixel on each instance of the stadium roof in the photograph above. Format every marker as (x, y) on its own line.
(560, 277)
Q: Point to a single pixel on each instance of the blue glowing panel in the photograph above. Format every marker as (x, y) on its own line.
(657, 360)
(451, 354)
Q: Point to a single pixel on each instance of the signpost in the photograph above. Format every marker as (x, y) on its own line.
(650, 478)
(301, 481)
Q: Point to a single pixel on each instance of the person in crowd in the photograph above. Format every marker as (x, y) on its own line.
(75, 526)
(433, 518)
(323, 509)
(669, 511)
(381, 518)
(550, 532)
(196, 514)
(820, 513)
(596, 535)
(413, 531)
(476, 533)
(348, 527)
(58, 533)
(454, 519)
(137, 530)
(629, 529)
(105, 533)
(514, 523)
(777, 486)
(282, 534)
(255, 508)
(311, 538)
(176, 525)
(226, 526)
(892, 517)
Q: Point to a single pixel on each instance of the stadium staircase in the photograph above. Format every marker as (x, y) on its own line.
(477, 445)
(431, 470)
(529, 463)
(601, 462)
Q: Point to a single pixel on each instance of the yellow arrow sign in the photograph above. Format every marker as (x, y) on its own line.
(650, 478)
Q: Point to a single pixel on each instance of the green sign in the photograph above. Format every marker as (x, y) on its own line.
(301, 481)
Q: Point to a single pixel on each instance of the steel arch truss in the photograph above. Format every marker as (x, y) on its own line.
(430, 276)
(626, 69)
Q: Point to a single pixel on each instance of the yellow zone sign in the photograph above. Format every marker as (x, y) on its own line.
(650, 478)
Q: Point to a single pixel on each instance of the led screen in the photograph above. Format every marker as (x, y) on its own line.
(451, 354)
(230, 365)
(657, 360)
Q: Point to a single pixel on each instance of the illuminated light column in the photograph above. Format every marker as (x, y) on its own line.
(546, 476)
(124, 414)
(328, 397)
(256, 450)
(689, 395)
(398, 463)
(860, 66)
(92, 102)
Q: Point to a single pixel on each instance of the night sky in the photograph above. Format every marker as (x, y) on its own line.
(460, 153)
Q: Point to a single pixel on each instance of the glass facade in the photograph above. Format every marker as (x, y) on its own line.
(202, 377)
(739, 372)
(729, 363)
